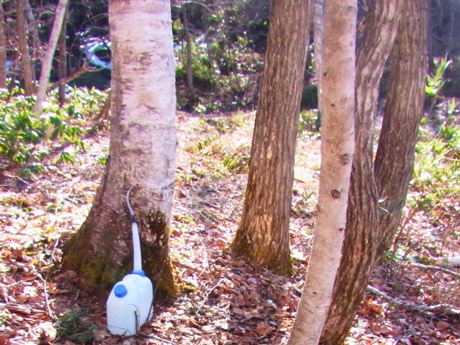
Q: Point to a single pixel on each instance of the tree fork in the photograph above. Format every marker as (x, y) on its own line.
(361, 239)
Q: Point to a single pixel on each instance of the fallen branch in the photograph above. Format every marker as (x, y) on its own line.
(438, 308)
(436, 268)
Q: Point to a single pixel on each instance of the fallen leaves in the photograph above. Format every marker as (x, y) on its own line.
(225, 301)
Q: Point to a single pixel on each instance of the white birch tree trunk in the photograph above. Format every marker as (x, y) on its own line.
(142, 154)
(48, 60)
(147, 127)
(337, 147)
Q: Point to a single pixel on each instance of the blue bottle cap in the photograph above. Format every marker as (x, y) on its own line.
(139, 273)
(120, 290)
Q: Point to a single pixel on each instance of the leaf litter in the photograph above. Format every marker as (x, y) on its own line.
(224, 300)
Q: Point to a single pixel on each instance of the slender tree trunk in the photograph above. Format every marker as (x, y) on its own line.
(263, 234)
(36, 43)
(337, 146)
(24, 48)
(36, 54)
(3, 48)
(362, 216)
(48, 60)
(142, 154)
(189, 61)
(403, 111)
(318, 28)
(62, 67)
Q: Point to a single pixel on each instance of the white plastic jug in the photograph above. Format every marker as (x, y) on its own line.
(130, 305)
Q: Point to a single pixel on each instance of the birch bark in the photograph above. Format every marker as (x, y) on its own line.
(142, 154)
(337, 147)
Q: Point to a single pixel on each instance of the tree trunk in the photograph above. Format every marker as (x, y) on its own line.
(24, 48)
(403, 111)
(62, 59)
(337, 146)
(142, 154)
(32, 28)
(189, 61)
(3, 48)
(318, 28)
(48, 60)
(362, 216)
(263, 234)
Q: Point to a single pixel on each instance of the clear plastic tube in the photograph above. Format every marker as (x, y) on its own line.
(137, 264)
(137, 256)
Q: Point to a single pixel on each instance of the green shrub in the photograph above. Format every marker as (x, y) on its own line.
(26, 139)
(224, 65)
(308, 121)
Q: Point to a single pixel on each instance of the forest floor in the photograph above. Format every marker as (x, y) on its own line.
(226, 301)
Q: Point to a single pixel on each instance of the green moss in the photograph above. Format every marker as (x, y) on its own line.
(112, 274)
(167, 288)
(187, 288)
(96, 271)
(91, 271)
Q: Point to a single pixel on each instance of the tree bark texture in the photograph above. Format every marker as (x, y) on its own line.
(24, 48)
(361, 235)
(263, 234)
(3, 48)
(142, 154)
(402, 114)
(337, 146)
(48, 60)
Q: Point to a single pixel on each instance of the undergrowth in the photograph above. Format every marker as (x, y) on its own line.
(225, 66)
(29, 141)
(435, 187)
(75, 327)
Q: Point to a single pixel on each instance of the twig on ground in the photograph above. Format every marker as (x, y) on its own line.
(142, 334)
(45, 292)
(440, 308)
(205, 252)
(436, 268)
(207, 295)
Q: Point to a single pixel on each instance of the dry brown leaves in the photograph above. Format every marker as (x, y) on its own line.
(225, 300)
